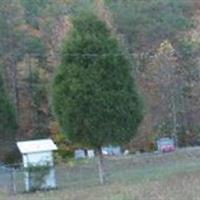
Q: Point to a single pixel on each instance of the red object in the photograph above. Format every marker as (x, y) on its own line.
(167, 148)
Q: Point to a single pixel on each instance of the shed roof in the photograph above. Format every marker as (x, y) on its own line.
(36, 146)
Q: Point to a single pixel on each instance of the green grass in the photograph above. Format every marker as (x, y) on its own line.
(166, 177)
(154, 172)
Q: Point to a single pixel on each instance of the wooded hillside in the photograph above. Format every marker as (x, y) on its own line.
(160, 36)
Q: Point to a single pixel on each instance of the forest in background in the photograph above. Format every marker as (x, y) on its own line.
(160, 36)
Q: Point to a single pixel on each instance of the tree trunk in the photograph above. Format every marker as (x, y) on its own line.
(101, 166)
(174, 112)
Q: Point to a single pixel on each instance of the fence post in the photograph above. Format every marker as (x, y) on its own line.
(13, 181)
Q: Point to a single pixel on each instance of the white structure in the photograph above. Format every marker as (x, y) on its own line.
(90, 153)
(79, 154)
(38, 154)
(112, 150)
(82, 154)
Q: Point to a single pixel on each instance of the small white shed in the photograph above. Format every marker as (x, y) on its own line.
(38, 163)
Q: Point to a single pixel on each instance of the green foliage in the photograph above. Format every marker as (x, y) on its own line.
(8, 123)
(10, 36)
(78, 6)
(33, 9)
(11, 154)
(35, 47)
(144, 23)
(94, 96)
(38, 175)
(188, 50)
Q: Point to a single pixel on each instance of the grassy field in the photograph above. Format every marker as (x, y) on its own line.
(173, 176)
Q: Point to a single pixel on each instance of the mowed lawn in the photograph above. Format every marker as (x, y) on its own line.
(173, 176)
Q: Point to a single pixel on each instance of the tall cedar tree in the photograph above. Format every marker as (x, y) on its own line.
(94, 95)
(8, 122)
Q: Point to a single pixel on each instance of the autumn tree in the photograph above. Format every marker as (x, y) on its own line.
(95, 98)
(143, 23)
(11, 40)
(164, 72)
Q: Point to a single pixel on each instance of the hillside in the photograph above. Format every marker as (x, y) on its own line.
(161, 37)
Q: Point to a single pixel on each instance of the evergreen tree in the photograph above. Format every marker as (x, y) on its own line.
(8, 122)
(94, 95)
